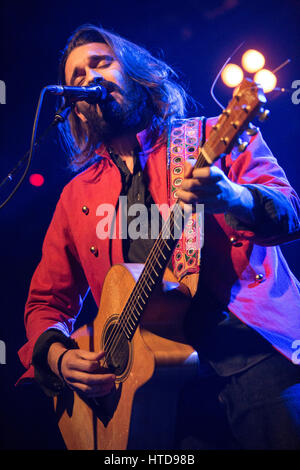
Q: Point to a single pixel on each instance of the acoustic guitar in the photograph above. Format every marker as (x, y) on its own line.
(140, 322)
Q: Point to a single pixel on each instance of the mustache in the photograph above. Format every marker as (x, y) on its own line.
(110, 86)
(89, 110)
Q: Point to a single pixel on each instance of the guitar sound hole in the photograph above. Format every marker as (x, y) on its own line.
(117, 349)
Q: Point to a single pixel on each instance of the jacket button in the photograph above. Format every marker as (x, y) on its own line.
(85, 210)
(259, 277)
(235, 242)
(94, 250)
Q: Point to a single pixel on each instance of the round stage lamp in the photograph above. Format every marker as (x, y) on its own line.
(232, 75)
(266, 79)
(252, 61)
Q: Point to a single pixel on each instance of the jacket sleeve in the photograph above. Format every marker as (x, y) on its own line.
(277, 206)
(57, 288)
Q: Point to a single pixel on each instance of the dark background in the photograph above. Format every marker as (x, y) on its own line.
(195, 38)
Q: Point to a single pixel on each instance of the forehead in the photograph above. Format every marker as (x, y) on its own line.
(81, 55)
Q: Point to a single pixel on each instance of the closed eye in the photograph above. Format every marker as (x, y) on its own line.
(105, 61)
(95, 62)
(100, 61)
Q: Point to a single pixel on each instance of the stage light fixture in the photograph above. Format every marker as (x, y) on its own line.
(266, 79)
(252, 61)
(232, 75)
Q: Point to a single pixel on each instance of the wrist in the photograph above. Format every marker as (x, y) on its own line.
(55, 352)
(242, 205)
(59, 364)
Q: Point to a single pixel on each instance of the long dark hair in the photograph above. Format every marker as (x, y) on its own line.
(168, 98)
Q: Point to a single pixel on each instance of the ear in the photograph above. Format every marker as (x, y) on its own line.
(79, 114)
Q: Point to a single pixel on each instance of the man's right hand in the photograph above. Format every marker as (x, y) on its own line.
(82, 371)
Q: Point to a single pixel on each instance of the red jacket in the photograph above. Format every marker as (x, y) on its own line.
(74, 258)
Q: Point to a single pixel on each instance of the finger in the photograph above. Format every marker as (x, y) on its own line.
(99, 380)
(208, 174)
(90, 355)
(209, 195)
(187, 197)
(90, 391)
(87, 366)
(200, 190)
(83, 360)
(190, 184)
(83, 365)
(188, 168)
(194, 185)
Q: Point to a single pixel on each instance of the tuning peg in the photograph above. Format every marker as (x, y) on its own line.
(242, 145)
(251, 130)
(226, 112)
(264, 114)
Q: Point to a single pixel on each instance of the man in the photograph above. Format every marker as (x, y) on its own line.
(249, 300)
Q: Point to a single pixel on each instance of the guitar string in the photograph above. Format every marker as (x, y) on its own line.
(113, 339)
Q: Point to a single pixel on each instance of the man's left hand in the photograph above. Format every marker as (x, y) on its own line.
(211, 187)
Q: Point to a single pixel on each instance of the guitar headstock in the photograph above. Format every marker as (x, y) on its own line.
(246, 103)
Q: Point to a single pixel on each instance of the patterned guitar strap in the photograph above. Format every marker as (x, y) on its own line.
(186, 136)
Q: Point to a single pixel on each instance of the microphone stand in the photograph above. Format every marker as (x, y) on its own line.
(60, 116)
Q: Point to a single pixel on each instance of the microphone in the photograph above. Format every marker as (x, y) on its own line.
(91, 94)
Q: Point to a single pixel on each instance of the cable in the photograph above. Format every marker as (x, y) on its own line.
(219, 73)
(60, 116)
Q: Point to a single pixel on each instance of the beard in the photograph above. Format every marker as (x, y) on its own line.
(116, 119)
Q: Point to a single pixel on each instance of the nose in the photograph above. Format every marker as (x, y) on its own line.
(93, 76)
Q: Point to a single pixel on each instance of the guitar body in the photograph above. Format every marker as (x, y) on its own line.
(157, 343)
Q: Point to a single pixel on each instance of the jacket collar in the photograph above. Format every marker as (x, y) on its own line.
(148, 139)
